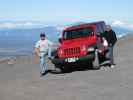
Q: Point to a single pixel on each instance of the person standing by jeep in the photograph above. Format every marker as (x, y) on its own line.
(111, 38)
(42, 48)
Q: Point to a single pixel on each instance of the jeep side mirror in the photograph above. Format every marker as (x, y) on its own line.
(60, 40)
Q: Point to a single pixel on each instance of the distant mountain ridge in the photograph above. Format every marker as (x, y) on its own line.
(52, 33)
(25, 38)
(29, 34)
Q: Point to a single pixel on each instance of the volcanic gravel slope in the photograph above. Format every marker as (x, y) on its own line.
(22, 81)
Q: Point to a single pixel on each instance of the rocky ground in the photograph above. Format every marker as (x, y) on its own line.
(20, 79)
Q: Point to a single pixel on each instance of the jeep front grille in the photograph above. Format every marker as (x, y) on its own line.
(72, 51)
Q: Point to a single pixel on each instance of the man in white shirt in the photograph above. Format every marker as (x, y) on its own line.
(42, 47)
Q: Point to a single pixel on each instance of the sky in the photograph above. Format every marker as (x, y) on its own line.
(65, 11)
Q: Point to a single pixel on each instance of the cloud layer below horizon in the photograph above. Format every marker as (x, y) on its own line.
(122, 24)
(13, 25)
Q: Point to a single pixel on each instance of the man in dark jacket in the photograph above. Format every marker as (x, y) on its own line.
(111, 38)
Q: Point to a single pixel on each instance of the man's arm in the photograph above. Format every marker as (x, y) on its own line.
(114, 37)
(50, 43)
(37, 52)
(37, 49)
(36, 55)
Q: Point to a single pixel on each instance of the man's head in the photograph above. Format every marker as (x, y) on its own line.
(42, 36)
(108, 28)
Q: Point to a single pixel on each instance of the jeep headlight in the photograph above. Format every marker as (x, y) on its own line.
(61, 51)
(91, 49)
(84, 48)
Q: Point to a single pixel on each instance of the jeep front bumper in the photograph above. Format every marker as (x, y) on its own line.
(62, 61)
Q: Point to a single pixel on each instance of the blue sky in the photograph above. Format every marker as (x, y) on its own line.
(63, 11)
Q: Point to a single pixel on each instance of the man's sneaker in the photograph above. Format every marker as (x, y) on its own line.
(43, 74)
(112, 66)
(50, 58)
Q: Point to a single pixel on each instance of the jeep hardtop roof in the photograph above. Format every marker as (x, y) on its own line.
(100, 26)
(79, 27)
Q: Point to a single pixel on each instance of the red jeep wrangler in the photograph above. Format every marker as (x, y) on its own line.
(78, 44)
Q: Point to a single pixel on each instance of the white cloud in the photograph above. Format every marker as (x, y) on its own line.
(8, 25)
(122, 24)
(28, 24)
(61, 27)
(131, 26)
(118, 23)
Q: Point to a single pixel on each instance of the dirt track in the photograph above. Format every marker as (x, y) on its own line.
(22, 81)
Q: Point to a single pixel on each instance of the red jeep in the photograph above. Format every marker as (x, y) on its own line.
(78, 44)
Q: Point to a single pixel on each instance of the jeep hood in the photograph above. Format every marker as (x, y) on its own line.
(78, 42)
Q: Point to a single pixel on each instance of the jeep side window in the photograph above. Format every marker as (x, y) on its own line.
(98, 28)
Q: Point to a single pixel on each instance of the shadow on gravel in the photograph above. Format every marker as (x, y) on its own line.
(72, 68)
(79, 67)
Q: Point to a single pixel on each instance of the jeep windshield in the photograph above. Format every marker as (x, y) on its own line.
(78, 33)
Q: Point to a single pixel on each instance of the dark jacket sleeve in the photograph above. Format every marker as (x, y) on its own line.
(113, 37)
(110, 37)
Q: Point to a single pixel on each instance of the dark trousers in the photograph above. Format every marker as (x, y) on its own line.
(111, 56)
